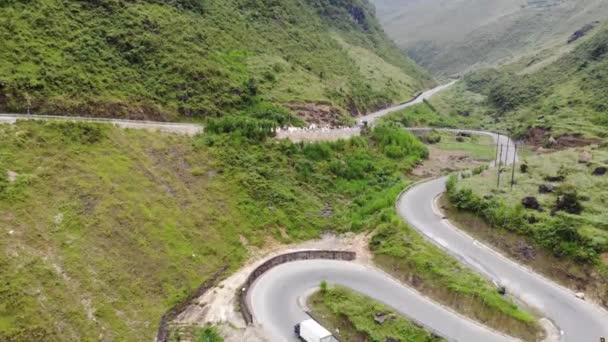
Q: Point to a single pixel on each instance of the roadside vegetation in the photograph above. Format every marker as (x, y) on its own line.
(479, 147)
(354, 317)
(199, 334)
(405, 254)
(188, 59)
(105, 228)
(421, 115)
(557, 205)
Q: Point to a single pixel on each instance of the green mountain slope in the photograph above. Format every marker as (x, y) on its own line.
(166, 59)
(104, 229)
(451, 37)
(564, 100)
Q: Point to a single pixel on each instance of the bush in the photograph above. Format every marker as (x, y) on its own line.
(80, 132)
(208, 334)
(431, 138)
(256, 129)
(317, 151)
(558, 233)
(391, 138)
(480, 169)
(271, 112)
(323, 287)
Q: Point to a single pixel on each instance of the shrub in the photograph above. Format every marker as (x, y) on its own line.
(80, 132)
(431, 138)
(323, 287)
(523, 168)
(558, 233)
(268, 111)
(208, 334)
(257, 129)
(480, 169)
(317, 151)
(391, 137)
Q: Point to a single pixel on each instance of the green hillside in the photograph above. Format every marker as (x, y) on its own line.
(104, 229)
(564, 101)
(168, 60)
(453, 37)
(554, 216)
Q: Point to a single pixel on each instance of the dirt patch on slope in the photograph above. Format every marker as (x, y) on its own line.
(320, 114)
(441, 162)
(541, 137)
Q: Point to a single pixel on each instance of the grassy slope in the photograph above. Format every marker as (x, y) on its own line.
(480, 147)
(567, 96)
(464, 34)
(578, 243)
(161, 60)
(564, 99)
(107, 228)
(343, 310)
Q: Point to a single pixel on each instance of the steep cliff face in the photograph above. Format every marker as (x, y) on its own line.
(163, 59)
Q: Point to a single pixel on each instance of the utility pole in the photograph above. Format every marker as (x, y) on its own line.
(498, 169)
(507, 153)
(514, 162)
(497, 142)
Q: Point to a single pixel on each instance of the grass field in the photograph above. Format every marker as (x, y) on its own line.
(479, 147)
(350, 316)
(105, 228)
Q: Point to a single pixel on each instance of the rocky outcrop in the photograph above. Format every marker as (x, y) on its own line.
(531, 203)
(600, 171)
(546, 188)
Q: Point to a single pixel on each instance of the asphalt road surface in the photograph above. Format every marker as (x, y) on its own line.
(276, 299)
(370, 118)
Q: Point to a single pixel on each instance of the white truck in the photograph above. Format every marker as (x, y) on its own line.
(311, 331)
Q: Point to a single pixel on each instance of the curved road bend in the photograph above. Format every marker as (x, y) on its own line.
(578, 320)
(370, 118)
(274, 299)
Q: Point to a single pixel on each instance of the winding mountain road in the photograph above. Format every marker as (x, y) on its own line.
(578, 320)
(275, 299)
(275, 295)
